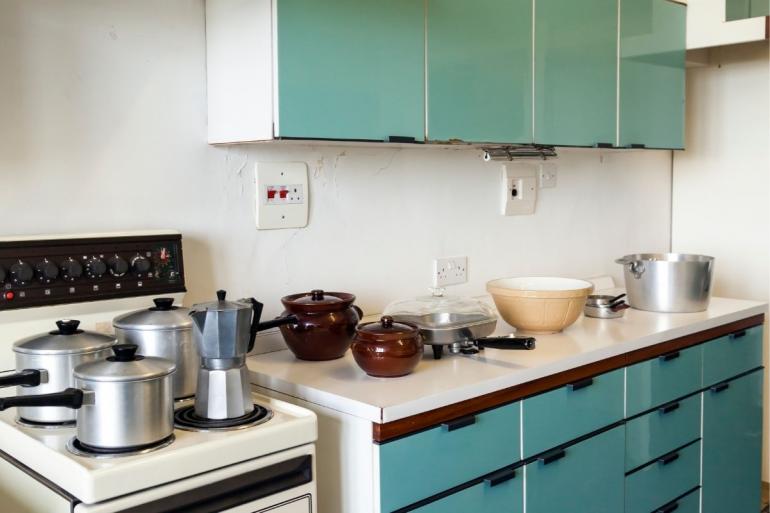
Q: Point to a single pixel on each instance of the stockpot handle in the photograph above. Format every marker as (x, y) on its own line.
(69, 398)
(24, 378)
(635, 266)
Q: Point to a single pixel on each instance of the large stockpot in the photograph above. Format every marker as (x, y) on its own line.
(123, 402)
(46, 364)
(668, 282)
(164, 331)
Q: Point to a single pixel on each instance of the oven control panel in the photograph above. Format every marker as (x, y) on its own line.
(56, 271)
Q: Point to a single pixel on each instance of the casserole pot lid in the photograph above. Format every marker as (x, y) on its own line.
(317, 301)
(438, 311)
(220, 305)
(386, 329)
(125, 365)
(66, 339)
(163, 316)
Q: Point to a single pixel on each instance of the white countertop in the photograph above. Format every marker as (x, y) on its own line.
(341, 385)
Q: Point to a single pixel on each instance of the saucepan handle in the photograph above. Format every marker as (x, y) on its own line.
(24, 378)
(69, 398)
(635, 266)
(511, 343)
(256, 308)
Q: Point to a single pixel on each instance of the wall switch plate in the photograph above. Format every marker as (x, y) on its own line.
(547, 175)
(519, 187)
(450, 271)
(282, 195)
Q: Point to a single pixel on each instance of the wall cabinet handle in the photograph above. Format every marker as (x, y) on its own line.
(401, 139)
(668, 508)
(552, 456)
(581, 384)
(462, 422)
(668, 408)
(668, 458)
(737, 334)
(670, 356)
(720, 387)
(636, 146)
(500, 477)
(603, 145)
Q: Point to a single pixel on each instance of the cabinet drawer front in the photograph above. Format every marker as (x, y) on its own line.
(731, 355)
(588, 478)
(663, 379)
(449, 455)
(661, 431)
(507, 497)
(561, 415)
(664, 480)
(690, 503)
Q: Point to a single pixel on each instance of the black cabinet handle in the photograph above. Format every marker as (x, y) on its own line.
(636, 146)
(500, 477)
(720, 387)
(670, 356)
(737, 334)
(400, 139)
(581, 384)
(668, 508)
(552, 456)
(462, 422)
(603, 145)
(668, 408)
(668, 458)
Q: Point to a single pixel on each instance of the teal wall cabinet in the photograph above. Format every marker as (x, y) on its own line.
(576, 72)
(479, 70)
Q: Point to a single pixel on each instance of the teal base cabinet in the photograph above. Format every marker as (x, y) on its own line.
(732, 445)
(583, 478)
(733, 354)
(498, 494)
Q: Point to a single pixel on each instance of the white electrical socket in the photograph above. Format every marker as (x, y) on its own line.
(547, 175)
(519, 189)
(282, 195)
(450, 271)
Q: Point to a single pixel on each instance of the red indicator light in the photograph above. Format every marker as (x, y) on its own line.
(284, 193)
(9, 295)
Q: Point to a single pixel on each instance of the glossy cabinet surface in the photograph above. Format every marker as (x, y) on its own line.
(350, 69)
(732, 445)
(575, 72)
(432, 461)
(652, 73)
(743, 9)
(662, 379)
(588, 478)
(731, 355)
(486, 497)
(480, 70)
(568, 412)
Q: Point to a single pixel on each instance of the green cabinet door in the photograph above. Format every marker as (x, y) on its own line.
(587, 477)
(576, 72)
(652, 73)
(732, 445)
(480, 70)
(351, 69)
(760, 8)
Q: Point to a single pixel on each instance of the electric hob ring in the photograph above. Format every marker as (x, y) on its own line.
(44, 425)
(186, 419)
(78, 448)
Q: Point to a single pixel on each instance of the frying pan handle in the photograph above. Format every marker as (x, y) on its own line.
(69, 398)
(24, 378)
(510, 343)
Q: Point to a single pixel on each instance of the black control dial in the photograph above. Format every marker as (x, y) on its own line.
(21, 273)
(118, 266)
(140, 264)
(95, 267)
(71, 269)
(47, 271)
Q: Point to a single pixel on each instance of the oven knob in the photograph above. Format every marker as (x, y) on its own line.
(21, 273)
(140, 264)
(95, 268)
(47, 271)
(71, 270)
(118, 266)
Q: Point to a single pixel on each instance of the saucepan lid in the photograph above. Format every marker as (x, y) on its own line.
(163, 316)
(67, 338)
(439, 311)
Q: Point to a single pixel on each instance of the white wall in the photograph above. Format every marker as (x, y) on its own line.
(721, 191)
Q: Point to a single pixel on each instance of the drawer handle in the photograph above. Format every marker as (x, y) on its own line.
(459, 423)
(581, 384)
(552, 456)
(669, 508)
(668, 458)
(737, 334)
(500, 477)
(401, 139)
(720, 387)
(670, 356)
(669, 408)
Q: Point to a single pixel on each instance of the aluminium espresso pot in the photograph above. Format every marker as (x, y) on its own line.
(164, 331)
(123, 402)
(46, 363)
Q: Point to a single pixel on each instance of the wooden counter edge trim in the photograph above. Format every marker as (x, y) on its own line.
(398, 428)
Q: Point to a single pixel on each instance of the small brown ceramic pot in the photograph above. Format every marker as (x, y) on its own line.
(325, 324)
(387, 349)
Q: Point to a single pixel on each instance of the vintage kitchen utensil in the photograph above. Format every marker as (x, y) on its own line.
(387, 349)
(462, 324)
(605, 307)
(323, 324)
(46, 363)
(668, 282)
(164, 331)
(123, 402)
(539, 304)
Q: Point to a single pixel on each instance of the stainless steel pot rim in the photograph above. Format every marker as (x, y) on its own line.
(147, 369)
(664, 257)
(84, 343)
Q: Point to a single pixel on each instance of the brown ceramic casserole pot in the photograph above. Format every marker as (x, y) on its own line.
(324, 326)
(387, 349)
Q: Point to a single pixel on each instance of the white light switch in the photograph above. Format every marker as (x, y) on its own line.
(519, 188)
(282, 195)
